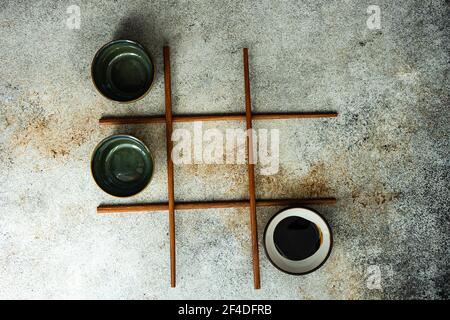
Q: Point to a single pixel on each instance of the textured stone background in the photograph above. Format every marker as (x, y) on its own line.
(385, 157)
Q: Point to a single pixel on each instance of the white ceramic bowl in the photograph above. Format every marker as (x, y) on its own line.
(309, 264)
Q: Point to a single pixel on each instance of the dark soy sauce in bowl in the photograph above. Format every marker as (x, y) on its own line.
(296, 238)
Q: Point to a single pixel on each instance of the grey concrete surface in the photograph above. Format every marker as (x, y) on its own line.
(386, 157)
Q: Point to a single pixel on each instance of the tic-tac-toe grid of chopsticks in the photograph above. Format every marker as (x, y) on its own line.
(251, 203)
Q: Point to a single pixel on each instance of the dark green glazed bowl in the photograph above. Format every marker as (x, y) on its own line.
(123, 71)
(122, 165)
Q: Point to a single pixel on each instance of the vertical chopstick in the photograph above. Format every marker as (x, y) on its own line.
(170, 187)
(251, 174)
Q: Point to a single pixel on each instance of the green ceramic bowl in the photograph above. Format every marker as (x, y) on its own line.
(122, 165)
(122, 71)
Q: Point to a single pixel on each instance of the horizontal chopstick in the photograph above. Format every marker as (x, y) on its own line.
(117, 208)
(214, 117)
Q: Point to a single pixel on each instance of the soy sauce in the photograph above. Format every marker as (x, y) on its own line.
(296, 238)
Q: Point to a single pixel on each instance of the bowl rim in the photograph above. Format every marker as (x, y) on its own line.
(300, 273)
(121, 41)
(130, 137)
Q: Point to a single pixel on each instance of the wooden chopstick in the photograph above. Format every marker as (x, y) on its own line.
(214, 117)
(251, 174)
(171, 206)
(149, 207)
(170, 184)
